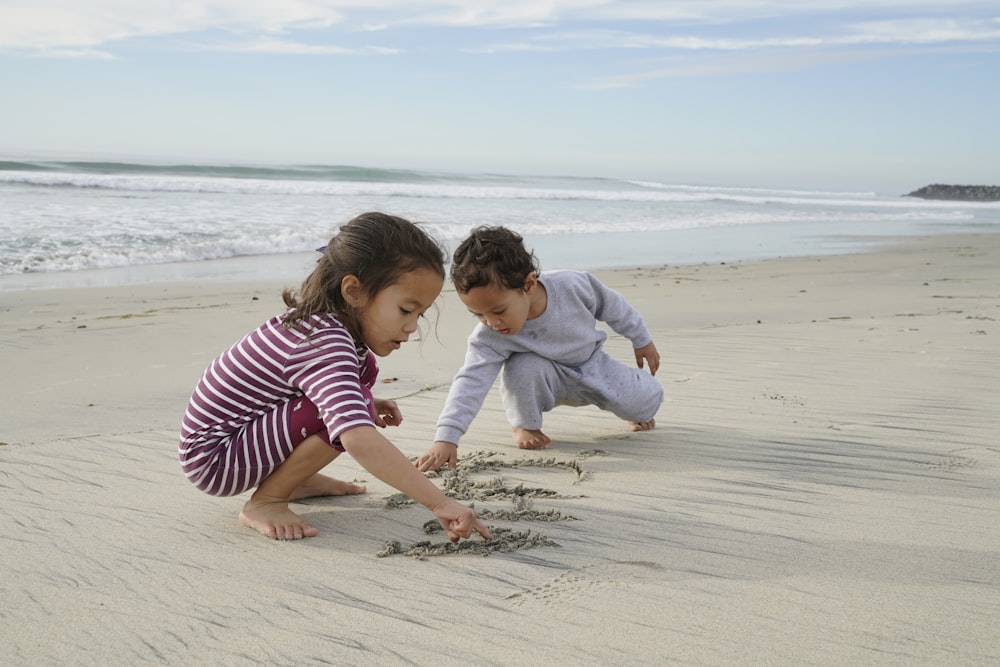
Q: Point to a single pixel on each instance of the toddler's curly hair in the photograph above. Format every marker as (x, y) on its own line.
(492, 255)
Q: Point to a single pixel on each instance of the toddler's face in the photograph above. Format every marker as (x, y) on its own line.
(388, 320)
(500, 308)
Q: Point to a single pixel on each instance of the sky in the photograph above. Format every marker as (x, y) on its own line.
(876, 95)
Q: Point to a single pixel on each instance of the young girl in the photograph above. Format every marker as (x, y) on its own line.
(537, 331)
(283, 402)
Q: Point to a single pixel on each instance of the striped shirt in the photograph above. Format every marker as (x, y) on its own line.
(243, 399)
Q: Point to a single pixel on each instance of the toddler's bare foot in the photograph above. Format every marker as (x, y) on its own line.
(642, 426)
(321, 485)
(527, 438)
(274, 519)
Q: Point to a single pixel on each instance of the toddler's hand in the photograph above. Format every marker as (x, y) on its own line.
(459, 521)
(650, 355)
(440, 453)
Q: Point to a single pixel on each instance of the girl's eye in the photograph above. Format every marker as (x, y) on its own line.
(406, 313)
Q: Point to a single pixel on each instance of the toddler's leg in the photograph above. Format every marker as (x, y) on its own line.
(629, 393)
(529, 386)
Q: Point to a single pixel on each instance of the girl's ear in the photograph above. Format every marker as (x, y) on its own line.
(350, 289)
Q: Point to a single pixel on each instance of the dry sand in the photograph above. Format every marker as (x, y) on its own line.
(823, 486)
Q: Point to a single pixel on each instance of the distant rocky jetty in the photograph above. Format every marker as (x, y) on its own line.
(958, 192)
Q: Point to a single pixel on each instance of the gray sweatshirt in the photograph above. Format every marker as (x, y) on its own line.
(565, 333)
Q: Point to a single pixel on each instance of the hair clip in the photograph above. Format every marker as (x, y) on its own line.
(321, 249)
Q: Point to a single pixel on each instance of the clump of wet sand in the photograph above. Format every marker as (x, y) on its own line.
(459, 485)
(502, 540)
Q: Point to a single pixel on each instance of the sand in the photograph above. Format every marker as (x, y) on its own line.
(822, 487)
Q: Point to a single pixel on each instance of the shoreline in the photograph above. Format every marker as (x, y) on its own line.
(822, 485)
(589, 252)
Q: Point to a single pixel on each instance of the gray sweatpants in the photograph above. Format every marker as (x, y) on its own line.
(531, 385)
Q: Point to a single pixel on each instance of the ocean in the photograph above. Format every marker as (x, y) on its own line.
(67, 223)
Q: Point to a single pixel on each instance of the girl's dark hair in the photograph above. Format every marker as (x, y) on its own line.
(378, 249)
(492, 255)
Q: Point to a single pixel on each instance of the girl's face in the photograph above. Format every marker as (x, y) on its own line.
(503, 309)
(388, 319)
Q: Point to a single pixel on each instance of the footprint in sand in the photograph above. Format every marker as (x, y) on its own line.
(586, 581)
(981, 457)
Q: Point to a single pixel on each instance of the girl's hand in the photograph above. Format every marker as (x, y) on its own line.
(440, 453)
(387, 413)
(458, 520)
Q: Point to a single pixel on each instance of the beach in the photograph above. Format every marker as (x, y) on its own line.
(822, 486)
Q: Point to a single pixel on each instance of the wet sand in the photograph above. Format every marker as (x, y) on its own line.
(822, 487)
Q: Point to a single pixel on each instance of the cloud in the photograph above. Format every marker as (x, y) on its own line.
(94, 28)
(726, 64)
(287, 47)
(686, 53)
(74, 54)
(42, 25)
(925, 31)
(910, 31)
(589, 40)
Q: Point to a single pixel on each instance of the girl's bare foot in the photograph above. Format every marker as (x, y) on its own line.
(274, 519)
(642, 426)
(528, 438)
(321, 485)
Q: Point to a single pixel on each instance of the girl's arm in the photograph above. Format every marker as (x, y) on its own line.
(381, 458)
